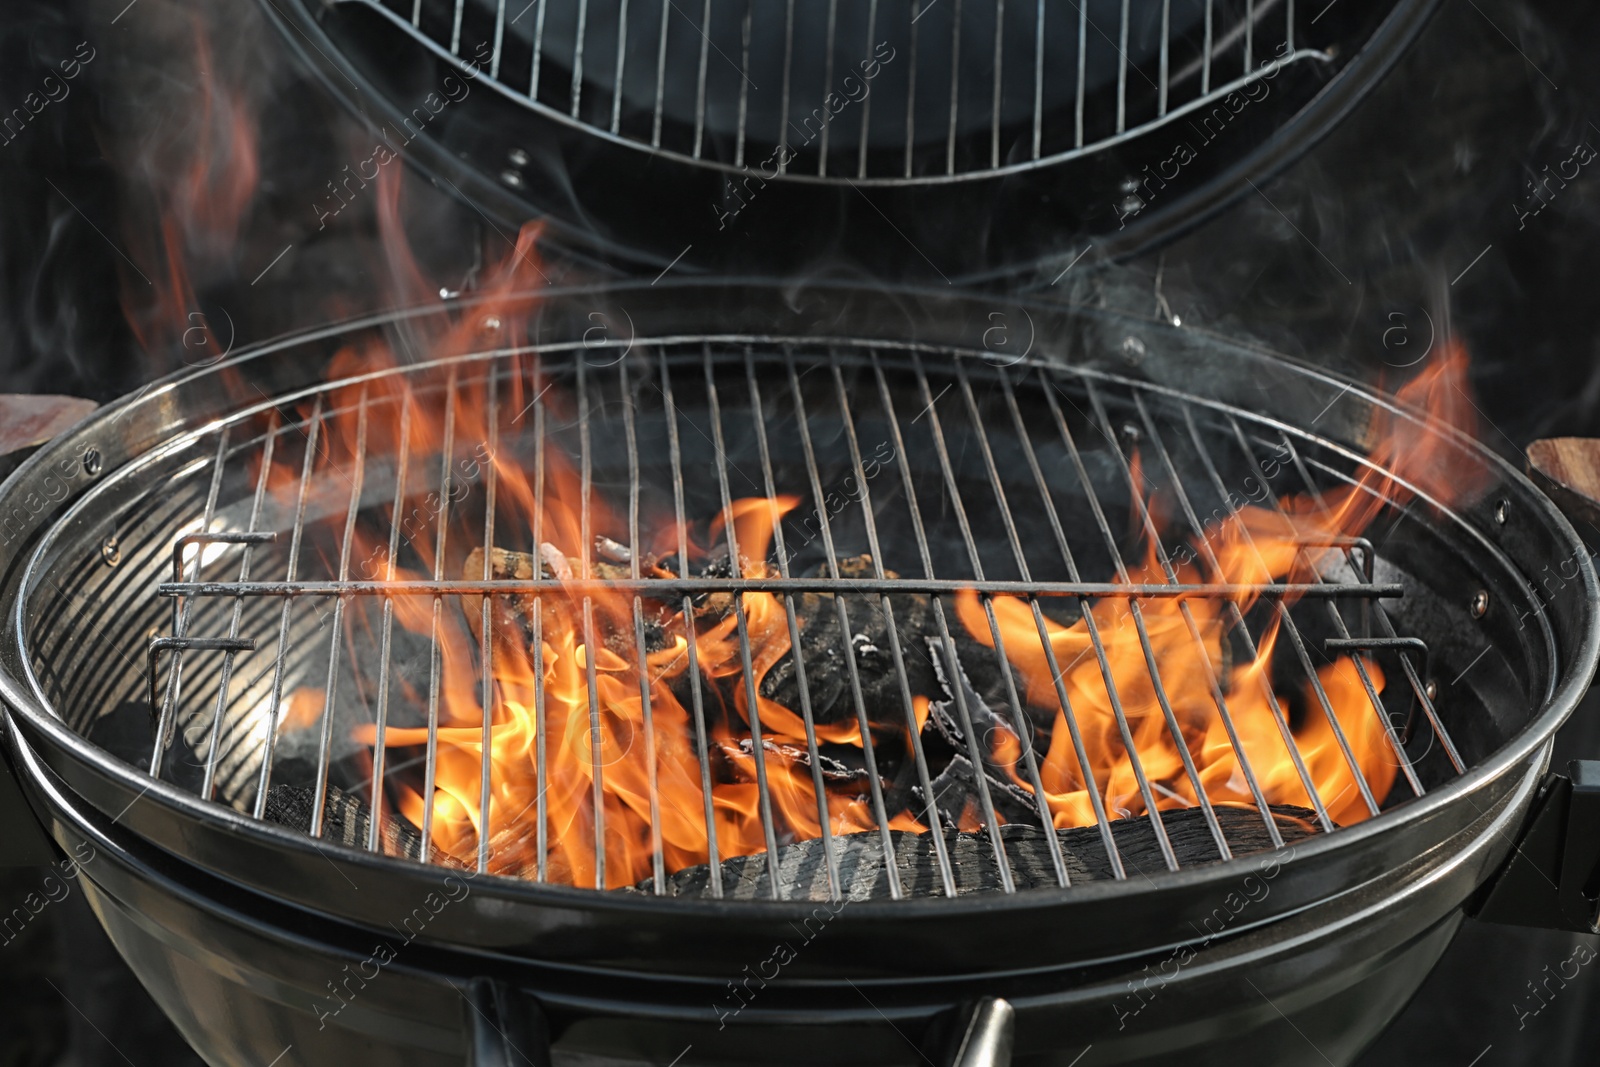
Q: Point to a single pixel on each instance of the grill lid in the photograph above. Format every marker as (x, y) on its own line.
(714, 136)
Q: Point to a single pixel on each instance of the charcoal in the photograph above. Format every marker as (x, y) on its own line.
(346, 819)
(835, 774)
(803, 875)
(822, 651)
(957, 785)
(944, 716)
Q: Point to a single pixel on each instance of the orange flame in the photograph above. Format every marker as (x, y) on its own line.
(626, 720)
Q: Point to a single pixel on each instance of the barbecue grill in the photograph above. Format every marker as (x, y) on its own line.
(1103, 123)
(230, 691)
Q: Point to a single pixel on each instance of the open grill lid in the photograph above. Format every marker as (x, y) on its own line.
(948, 140)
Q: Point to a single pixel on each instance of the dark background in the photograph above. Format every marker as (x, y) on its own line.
(1400, 225)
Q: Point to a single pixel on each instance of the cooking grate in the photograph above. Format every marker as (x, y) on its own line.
(949, 91)
(1001, 480)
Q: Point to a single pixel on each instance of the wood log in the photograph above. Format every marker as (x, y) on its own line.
(803, 875)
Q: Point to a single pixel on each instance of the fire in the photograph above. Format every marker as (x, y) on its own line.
(566, 752)
(605, 756)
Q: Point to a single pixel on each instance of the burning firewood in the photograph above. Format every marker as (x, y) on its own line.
(737, 763)
(803, 874)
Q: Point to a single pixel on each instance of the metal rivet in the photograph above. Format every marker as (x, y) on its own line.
(518, 157)
(1134, 347)
(111, 551)
(1480, 604)
(511, 178)
(1501, 507)
(92, 462)
(1130, 432)
(1431, 690)
(491, 322)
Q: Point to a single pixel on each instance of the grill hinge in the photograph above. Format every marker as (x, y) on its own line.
(1552, 880)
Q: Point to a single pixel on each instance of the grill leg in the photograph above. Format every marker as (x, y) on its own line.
(985, 1041)
(507, 1028)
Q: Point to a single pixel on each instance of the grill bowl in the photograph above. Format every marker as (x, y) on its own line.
(74, 655)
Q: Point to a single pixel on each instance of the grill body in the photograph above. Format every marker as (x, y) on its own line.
(207, 952)
(1353, 920)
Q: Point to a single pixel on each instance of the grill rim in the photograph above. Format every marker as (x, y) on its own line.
(1568, 681)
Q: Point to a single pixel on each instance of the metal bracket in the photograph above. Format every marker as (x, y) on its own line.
(1552, 880)
(159, 645)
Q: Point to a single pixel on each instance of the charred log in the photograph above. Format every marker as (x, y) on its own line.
(735, 763)
(802, 869)
(346, 819)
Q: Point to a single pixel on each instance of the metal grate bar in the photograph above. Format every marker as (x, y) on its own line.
(577, 55)
(1418, 687)
(742, 626)
(920, 757)
(1280, 719)
(1038, 80)
(1252, 782)
(661, 74)
(164, 720)
(1360, 664)
(744, 84)
(1118, 590)
(687, 605)
(1166, 39)
(788, 71)
(541, 754)
(1205, 60)
(955, 89)
(941, 447)
(455, 29)
(866, 101)
(911, 88)
(1249, 34)
(538, 48)
(879, 811)
(700, 92)
(435, 664)
(386, 640)
(208, 782)
(1083, 52)
(499, 38)
(658, 872)
(622, 62)
(1093, 629)
(1144, 638)
(586, 570)
(1303, 655)
(1102, 821)
(1122, 70)
(486, 633)
(827, 87)
(824, 817)
(999, 55)
(265, 776)
(1137, 493)
(1023, 726)
(335, 644)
